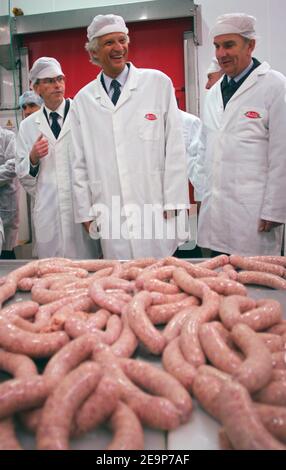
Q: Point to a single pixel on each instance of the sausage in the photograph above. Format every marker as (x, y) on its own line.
(281, 260)
(160, 314)
(54, 428)
(127, 429)
(174, 326)
(98, 407)
(18, 341)
(207, 386)
(153, 280)
(274, 419)
(8, 439)
(279, 360)
(101, 298)
(24, 309)
(274, 343)
(22, 394)
(160, 383)
(127, 342)
(224, 442)
(224, 286)
(216, 348)
(255, 372)
(158, 298)
(216, 262)
(174, 363)
(254, 265)
(155, 412)
(17, 365)
(267, 313)
(279, 329)
(143, 328)
(192, 269)
(210, 300)
(69, 357)
(189, 340)
(273, 394)
(261, 279)
(229, 271)
(241, 421)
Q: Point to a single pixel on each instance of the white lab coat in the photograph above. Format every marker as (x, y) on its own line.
(245, 166)
(9, 189)
(1, 235)
(133, 151)
(55, 230)
(192, 130)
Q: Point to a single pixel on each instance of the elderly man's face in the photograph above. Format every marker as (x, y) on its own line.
(29, 108)
(233, 53)
(112, 53)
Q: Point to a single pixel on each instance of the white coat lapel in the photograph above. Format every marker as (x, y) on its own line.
(44, 127)
(251, 80)
(130, 85)
(101, 95)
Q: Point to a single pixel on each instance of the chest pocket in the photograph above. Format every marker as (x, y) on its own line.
(252, 122)
(149, 124)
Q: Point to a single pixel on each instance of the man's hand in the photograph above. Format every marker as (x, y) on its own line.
(87, 225)
(39, 150)
(267, 225)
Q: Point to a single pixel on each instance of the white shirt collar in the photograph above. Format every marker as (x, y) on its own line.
(244, 72)
(121, 78)
(60, 110)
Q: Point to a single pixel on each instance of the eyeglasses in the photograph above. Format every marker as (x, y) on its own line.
(51, 81)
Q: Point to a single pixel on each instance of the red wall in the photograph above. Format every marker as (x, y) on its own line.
(154, 44)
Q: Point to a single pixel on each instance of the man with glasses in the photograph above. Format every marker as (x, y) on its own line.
(43, 167)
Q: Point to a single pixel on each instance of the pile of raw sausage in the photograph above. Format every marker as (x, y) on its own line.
(88, 318)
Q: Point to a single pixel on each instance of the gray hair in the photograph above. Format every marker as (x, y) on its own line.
(93, 46)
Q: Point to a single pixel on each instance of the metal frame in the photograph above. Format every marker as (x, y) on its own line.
(191, 73)
(155, 10)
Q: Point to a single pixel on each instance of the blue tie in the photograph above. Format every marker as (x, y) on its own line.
(56, 128)
(116, 86)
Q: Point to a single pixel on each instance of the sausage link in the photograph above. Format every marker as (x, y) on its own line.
(193, 270)
(127, 342)
(175, 363)
(8, 439)
(160, 383)
(274, 419)
(174, 326)
(261, 279)
(224, 286)
(216, 348)
(99, 295)
(160, 314)
(54, 428)
(259, 266)
(128, 432)
(216, 262)
(273, 394)
(241, 421)
(143, 328)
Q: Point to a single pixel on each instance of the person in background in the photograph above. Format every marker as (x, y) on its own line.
(129, 151)
(30, 102)
(9, 189)
(214, 73)
(43, 167)
(244, 166)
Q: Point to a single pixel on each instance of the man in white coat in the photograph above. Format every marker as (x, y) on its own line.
(214, 73)
(44, 168)
(129, 168)
(244, 166)
(9, 193)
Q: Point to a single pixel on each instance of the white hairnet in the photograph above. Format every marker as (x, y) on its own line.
(105, 24)
(235, 23)
(29, 97)
(214, 66)
(45, 67)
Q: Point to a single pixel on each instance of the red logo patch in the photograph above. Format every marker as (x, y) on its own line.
(252, 115)
(150, 117)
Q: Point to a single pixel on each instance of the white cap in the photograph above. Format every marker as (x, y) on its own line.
(105, 24)
(45, 67)
(214, 66)
(29, 97)
(235, 23)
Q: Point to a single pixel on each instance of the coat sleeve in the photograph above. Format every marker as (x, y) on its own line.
(23, 148)
(7, 169)
(195, 149)
(176, 191)
(81, 194)
(274, 203)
